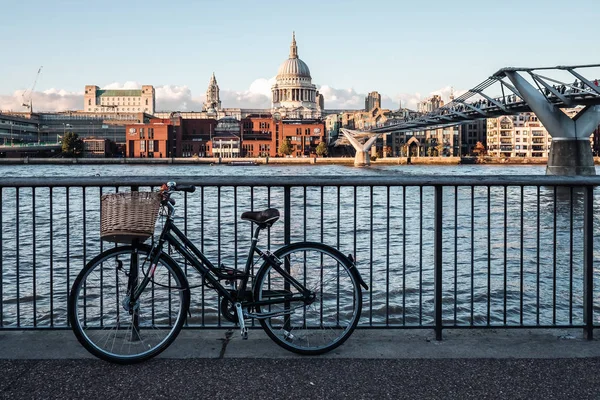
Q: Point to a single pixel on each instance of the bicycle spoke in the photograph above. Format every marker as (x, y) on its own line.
(329, 318)
(123, 332)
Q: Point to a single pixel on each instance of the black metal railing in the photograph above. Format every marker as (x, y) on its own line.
(436, 252)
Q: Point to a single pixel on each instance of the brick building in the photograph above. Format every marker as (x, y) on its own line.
(196, 137)
(258, 134)
(253, 136)
(304, 136)
(156, 139)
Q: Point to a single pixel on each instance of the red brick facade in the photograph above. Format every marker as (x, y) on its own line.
(151, 140)
(196, 138)
(260, 136)
(304, 136)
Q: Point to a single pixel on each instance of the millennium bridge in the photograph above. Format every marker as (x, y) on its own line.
(544, 91)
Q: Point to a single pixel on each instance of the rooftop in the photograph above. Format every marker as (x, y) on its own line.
(117, 92)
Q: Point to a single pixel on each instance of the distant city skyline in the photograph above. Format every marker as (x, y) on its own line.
(406, 52)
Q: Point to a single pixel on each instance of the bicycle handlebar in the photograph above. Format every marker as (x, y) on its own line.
(173, 187)
(185, 188)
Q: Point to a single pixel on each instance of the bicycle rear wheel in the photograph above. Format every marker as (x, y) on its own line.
(104, 322)
(322, 323)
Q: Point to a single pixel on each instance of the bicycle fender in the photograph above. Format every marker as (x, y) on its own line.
(349, 263)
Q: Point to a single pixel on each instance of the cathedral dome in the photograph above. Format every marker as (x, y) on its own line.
(295, 67)
(293, 94)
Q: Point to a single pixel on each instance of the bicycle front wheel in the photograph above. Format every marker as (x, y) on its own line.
(108, 325)
(321, 323)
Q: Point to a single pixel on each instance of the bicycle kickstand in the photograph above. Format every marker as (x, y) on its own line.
(240, 314)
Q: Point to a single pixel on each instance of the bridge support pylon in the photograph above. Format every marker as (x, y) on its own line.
(361, 158)
(570, 152)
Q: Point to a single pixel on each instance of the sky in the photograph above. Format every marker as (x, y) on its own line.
(405, 50)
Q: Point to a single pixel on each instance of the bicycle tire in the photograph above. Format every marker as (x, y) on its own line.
(102, 323)
(336, 308)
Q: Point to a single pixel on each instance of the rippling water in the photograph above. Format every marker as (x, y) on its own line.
(494, 270)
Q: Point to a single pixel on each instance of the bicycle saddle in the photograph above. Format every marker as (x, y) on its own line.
(268, 216)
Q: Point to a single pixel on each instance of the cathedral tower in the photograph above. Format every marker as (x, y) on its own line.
(213, 102)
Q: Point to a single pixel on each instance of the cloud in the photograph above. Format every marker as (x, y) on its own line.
(180, 98)
(176, 98)
(341, 98)
(126, 85)
(262, 86)
(350, 99)
(48, 100)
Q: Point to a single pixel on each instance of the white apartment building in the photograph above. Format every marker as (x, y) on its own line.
(97, 100)
(521, 135)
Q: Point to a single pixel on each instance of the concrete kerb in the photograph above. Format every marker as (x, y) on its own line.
(363, 344)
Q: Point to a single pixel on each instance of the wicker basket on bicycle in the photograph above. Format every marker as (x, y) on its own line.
(128, 216)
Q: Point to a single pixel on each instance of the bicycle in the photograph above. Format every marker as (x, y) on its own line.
(129, 303)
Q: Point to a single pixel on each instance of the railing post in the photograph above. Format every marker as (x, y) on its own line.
(437, 267)
(287, 211)
(588, 262)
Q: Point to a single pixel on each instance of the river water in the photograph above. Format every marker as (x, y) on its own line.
(499, 268)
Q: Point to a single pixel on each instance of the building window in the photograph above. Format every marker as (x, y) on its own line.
(151, 145)
(142, 145)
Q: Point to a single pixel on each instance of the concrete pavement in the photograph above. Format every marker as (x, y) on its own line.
(364, 343)
(372, 364)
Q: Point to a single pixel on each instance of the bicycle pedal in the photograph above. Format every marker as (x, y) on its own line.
(240, 314)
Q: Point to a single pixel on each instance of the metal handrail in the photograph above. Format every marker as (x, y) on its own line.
(422, 240)
(303, 180)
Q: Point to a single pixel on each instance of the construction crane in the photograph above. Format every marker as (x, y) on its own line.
(29, 104)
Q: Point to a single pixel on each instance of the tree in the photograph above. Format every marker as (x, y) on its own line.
(72, 145)
(285, 148)
(479, 149)
(440, 149)
(321, 149)
(387, 150)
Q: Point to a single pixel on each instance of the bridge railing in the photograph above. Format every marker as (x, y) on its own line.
(436, 252)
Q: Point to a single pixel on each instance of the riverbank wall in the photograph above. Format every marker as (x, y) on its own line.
(279, 161)
(229, 161)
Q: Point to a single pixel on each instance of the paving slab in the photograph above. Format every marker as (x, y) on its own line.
(363, 344)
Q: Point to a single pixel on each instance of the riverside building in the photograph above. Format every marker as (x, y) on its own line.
(373, 100)
(521, 135)
(120, 100)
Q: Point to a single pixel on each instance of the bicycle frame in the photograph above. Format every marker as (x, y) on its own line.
(177, 239)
